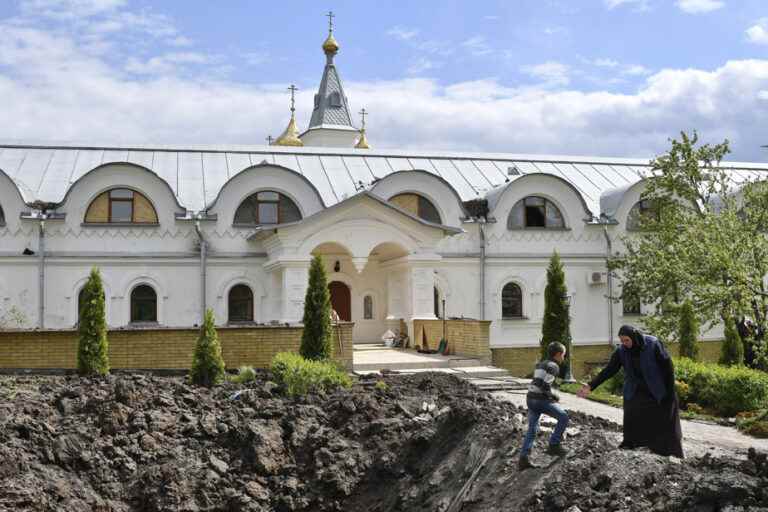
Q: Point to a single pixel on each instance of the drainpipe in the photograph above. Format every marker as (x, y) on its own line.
(203, 256)
(482, 221)
(609, 250)
(41, 270)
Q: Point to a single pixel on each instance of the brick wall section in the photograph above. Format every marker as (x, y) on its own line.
(162, 348)
(521, 360)
(465, 337)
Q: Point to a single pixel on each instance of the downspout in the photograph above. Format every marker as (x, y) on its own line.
(482, 221)
(41, 270)
(609, 251)
(203, 256)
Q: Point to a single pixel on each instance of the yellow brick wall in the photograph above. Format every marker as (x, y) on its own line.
(162, 348)
(465, 337)
(521, 360)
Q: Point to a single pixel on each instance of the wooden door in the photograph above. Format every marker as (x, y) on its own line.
(341, 300)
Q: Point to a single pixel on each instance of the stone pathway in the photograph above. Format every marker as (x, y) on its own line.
(698, 437)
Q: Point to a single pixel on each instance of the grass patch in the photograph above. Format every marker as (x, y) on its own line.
(598, 395)
(299, 376)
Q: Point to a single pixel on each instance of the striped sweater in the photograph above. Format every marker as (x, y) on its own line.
(544, 375)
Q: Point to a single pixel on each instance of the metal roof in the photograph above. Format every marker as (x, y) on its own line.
(196, 174)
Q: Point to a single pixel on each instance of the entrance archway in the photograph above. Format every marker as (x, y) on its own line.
(341, 300)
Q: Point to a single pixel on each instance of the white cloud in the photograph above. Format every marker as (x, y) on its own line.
(699, 6)
(758, 33)
(635, 70)
(637, 5)
(477, 46)
(550, 73)
(402, 33)
(69, 9)
(165, 64)
(491, 17)
(605, 63)
(422, 64)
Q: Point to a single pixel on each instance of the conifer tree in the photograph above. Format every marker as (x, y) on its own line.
(557, 323)
(688, 333)
(316, 338)
(92, 346)
(732, 351)
(207, 363)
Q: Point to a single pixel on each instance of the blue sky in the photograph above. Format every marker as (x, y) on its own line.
(596, 77)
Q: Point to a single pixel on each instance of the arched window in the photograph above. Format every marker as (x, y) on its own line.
(511, 301)
(417, 205)
(642, 212)
(143, 304)
(2, 217)
(240, 304)
(266, 207)
(368, 307)
(535, 212)
(121, 206)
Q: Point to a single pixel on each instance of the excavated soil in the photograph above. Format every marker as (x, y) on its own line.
(428, 442)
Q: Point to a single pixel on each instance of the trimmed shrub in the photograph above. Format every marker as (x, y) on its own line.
(92, 346)
(556, 325)
(299, 376)
(725, 390)
(316, 338)
(688, 333)
(207, 363)
(732, 350)
(244, 374)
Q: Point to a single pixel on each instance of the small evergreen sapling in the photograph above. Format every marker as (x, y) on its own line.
(557, 322)
(688, 332)
(732, 351)
(316, 338)
(92, 347)
(207, 363)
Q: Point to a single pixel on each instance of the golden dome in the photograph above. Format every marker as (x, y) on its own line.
(330, 45)
(290, 137)
(362, 143)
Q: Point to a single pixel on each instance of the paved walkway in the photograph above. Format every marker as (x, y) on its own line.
(698, 438)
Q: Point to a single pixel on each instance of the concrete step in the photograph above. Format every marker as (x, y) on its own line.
(420, 365)
(469, 373)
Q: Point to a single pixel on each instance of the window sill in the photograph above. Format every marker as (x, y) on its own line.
(143, 325)
(120, 224)
(538, 229)
(514, 318)
(241, 323)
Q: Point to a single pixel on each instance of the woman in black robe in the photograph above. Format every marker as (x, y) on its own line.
(651, 412)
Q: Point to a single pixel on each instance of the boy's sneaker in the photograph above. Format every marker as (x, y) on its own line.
(525, 463)
(557, 450)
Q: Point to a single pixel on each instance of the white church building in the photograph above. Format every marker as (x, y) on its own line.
(176, 229)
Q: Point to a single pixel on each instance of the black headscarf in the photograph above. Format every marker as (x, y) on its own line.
(634, 333)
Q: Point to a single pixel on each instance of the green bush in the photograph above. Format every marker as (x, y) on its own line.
(556, 325)
(726, 390)
(299, 376)
(381, 386)
(92, 346)
(207, 363)
(244, 374)
(688, 332)
(732, 350)
(316, 337)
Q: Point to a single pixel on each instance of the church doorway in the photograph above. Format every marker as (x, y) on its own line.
(341, 300)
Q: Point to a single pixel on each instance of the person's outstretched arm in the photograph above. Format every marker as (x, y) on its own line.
(614, 365)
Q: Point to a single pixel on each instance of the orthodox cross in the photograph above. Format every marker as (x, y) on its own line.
(363, 113)
(330, 16)
(293, 90)
(269, 140)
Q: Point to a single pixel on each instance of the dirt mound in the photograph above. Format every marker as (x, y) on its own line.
(427, 442)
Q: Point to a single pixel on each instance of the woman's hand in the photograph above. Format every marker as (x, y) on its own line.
(584, 391)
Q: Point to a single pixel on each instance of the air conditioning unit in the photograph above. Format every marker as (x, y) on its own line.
(597, 277)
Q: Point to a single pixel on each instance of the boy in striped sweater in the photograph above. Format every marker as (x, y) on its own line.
(541, 400)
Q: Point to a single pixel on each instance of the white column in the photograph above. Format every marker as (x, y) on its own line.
(295, 280)
(422, 278)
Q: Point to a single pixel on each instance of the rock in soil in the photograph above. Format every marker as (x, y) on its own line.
(144, 443)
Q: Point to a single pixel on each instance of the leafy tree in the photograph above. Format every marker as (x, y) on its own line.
(705, 241)
(689, 332)
(316, 338)
(556, 325)
(92, 346)
(207, 363)
(732, 351)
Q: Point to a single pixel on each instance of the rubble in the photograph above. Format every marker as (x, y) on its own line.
(427, 442)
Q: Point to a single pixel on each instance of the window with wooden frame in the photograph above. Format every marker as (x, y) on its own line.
(121, 206)
(143, 304)
(417, 205)
(368, 307)
(240, 303)
(266, 207)
(511, 301)
(535, 212)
